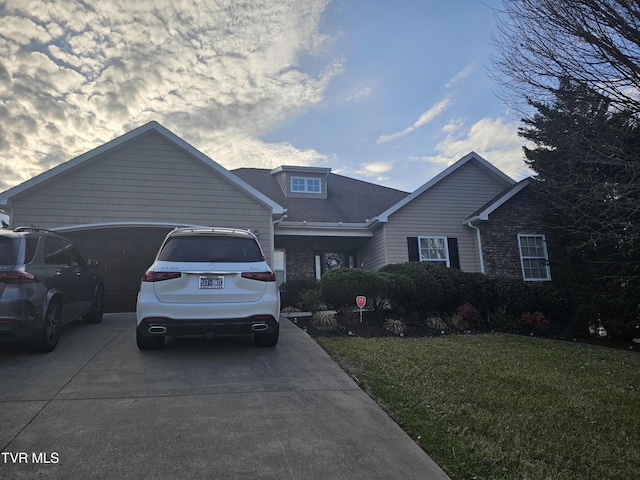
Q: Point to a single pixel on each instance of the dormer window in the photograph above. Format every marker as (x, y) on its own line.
(302, 182)
(305, 185)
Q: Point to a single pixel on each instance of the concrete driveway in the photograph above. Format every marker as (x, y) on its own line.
(97, 407)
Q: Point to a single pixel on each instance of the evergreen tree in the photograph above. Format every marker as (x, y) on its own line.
(587, 160)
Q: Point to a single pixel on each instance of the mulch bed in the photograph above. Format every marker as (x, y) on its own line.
(373, 326)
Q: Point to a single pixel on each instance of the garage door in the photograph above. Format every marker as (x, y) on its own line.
(124, 254)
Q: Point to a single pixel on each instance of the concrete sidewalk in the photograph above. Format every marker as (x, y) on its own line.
(97, 407)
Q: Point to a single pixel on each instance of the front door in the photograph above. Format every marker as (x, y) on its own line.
(328, 260)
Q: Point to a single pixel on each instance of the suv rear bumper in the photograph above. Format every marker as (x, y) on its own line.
(18, 321)
(172, 327)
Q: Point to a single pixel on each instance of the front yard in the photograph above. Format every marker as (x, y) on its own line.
(501, 406)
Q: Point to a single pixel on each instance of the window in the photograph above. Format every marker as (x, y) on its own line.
(442, 250)
(279, 266)
(210, 248)
(7, 251)
(534, 258)
(434, 249)
(305, 185)
(55, 251)
(31, 247)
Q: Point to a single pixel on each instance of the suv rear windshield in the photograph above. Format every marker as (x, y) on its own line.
(209, 248)
(8, 251)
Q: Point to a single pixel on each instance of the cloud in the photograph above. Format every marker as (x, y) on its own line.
(74, 75)
(226, 148)
(360, 94)
(424, 119)
(493, 139)
(465, 72)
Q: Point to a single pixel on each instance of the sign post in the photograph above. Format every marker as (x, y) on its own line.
(361, 301)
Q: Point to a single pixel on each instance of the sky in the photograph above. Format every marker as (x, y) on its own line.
(387, 92)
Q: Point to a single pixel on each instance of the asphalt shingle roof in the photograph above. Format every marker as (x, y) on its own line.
(348, 200)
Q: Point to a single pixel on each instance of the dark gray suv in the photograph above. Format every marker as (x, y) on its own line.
(44, 284)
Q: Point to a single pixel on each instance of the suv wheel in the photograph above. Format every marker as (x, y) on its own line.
(149, 343)
(95, 316)
(267, 339)
(47, 339)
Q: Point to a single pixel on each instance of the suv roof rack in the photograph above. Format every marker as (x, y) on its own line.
(223, 230)
(33, 229)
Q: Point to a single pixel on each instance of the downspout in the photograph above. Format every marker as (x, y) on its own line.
(470, 224)
(273, 227)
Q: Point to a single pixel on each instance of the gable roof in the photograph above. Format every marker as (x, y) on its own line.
(348, 200)
(487, 209)
(150, 127)
(471, 157)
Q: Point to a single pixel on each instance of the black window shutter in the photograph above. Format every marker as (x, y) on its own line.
(412, 245)
(454, 255)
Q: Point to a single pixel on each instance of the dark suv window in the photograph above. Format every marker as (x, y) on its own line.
(31, 246)
(205, 248)
(7, 251)
(55, 251)
(74, 256)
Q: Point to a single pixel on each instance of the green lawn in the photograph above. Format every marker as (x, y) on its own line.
(505, 406)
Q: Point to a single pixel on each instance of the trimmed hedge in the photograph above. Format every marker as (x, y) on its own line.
(429, 291)
(339, 288)
(426, 289)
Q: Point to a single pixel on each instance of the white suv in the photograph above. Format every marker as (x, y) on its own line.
(208, 281)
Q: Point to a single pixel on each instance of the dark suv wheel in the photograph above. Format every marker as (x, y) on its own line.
(48, 337)
(97, 310)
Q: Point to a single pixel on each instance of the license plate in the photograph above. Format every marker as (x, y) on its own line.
(211, 282)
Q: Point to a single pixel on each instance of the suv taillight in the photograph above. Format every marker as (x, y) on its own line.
(262, 276)
(151, 276)
(17, 276)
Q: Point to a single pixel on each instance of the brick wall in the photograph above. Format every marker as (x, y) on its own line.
(522, 214)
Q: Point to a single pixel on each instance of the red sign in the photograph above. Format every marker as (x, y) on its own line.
(361, 301)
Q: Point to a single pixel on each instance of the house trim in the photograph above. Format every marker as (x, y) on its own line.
(323, 229)
(484, 212)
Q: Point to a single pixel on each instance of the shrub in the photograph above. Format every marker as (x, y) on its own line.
(502, 320)
(428, 295)
(534, 322)
(325, 321)
(399, 290)
(553, 302)
(395, 325)
(311, 301)
(437, 323)
(291, 292)
(616, 305)
(514, 296)
(468, 315)
(339, 288)
(348, 316)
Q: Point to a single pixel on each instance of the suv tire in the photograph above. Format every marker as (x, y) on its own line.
(97, 310)
(47, 339)
(267, 339)
(149, 343)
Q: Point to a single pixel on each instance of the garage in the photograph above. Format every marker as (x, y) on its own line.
(118, 202)
(123, 253)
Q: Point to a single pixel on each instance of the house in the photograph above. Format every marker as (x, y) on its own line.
(118, 201)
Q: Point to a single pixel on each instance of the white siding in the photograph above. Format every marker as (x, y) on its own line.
(148, 180)
(440, 211)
